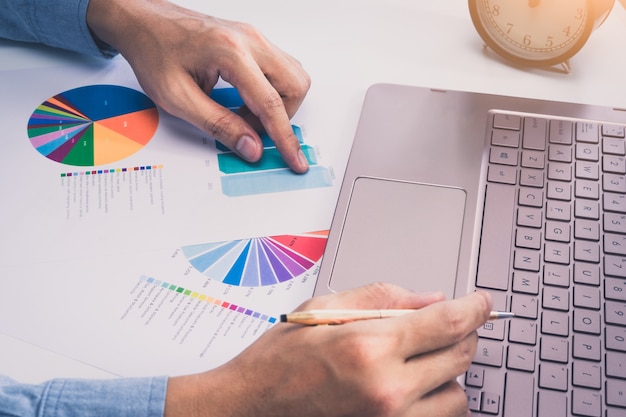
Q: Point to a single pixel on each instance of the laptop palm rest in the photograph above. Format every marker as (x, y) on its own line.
(400, 232)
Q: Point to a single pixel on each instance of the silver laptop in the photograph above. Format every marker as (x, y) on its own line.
(453, 191)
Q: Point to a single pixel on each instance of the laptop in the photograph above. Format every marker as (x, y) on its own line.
(525, 198)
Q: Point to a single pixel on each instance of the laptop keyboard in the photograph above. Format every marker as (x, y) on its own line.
(553, 251)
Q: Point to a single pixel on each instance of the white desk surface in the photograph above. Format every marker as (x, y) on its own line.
(347, 45)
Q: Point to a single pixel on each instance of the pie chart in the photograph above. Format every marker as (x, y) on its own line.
(93, 125)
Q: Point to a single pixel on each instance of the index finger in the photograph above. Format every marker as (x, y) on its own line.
(443, 324)
(266, 103)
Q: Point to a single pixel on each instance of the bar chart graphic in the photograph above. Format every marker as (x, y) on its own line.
(258, 261)
(93, 125)
(270, 174)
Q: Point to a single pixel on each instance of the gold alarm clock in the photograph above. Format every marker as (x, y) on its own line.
(538, 33)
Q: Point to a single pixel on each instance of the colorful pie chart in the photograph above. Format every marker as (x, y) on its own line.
(258, 261)
(93, 125)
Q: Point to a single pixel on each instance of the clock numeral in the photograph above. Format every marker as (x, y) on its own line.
(549, 42)
(580, 14)
(527, 40)
(495, 10)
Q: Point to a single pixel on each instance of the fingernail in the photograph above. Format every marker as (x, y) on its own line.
(246, 147)
(303, 161)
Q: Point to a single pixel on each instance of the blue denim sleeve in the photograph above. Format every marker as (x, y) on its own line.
(130, 397)
(58, 23)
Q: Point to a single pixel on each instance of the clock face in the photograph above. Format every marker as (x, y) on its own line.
(536, 32)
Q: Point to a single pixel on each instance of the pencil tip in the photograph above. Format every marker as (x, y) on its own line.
(283, 318)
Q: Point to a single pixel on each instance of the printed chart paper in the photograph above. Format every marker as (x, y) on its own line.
(135, 243)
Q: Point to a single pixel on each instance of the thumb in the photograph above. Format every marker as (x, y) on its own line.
(193, 105)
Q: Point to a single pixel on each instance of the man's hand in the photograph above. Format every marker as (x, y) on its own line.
(178, 56)
(393, 367)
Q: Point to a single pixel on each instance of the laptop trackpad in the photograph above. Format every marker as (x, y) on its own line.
(400, 232)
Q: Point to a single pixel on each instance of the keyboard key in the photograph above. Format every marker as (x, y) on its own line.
(586, 251)
(553, 376)
(587, 170)
(531, 178)
(585, 273)
(555, 323)
(555, 298)
(615, 266)
(557, 253)
(587, 209)
(587, 132)
(560, 132)
(614, 164)
(523, 331)
(535, 130)
(613, 146)
(613, 222)
(530, 197)
(615, 244)
(587, 297)
(521, 358)
(554, 349)
(489, 353)
(586, 403)
(615, 338)
(587, 230)
(586, 347)
(503, 156)
(559, 171)
(519, 394)
(615, 289)
(473, 398)
(587, 152)
(527, 260)
(525, 306)
(616, 365)
(587, 189)
(586, 374)
(551, 404)
(490, 403)
(529, 217)
(616, 131)
(616, 393)
(507, 138)
(559, 153)
(474, 377)
(614, 183)
(507, 121)
(615, 313)
(556, 275)
(493, 266)
(533, 159)
(614, 202)
(586, 321)
(558, 231)
(502, 174)
(558, 210)
(525, 282)
(559, 191)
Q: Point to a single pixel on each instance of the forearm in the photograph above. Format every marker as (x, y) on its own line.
(61, 24)
(130, 397)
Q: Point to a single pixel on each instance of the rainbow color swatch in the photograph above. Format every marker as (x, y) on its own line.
(110, 171)
(208, 299)
(258, 261)
(93, 125)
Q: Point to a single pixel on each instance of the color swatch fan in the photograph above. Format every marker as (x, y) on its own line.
(93, 125)
(258, 261)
